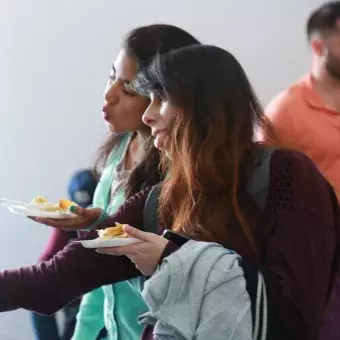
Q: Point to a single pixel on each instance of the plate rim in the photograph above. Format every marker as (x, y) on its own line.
(131, 241)
(41, 213)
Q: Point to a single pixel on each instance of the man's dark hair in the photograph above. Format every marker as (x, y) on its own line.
(324, 19)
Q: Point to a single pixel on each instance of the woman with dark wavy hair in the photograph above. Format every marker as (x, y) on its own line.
(202, 114)
(126, 163)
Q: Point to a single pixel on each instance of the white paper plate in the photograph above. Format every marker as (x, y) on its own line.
(33, 210)
(10, 203)
(102, 243)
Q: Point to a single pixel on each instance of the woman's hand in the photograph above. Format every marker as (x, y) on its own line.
(144, 254)
(85, 218)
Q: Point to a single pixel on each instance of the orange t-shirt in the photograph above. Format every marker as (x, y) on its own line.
(304, 122)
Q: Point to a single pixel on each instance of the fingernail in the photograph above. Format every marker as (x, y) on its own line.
(126, 227)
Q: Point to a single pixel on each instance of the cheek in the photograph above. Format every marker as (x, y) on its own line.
(128, 114)
(168, 114)
(334, 48)
(333, 58)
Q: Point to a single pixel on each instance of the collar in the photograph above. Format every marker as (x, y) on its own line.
(312, 96)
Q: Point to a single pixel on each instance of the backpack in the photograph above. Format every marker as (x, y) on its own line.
(257, 187)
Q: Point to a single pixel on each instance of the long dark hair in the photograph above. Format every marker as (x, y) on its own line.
(212, 139)
(143, 44)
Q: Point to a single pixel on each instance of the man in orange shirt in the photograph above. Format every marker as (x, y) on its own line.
(306, 116)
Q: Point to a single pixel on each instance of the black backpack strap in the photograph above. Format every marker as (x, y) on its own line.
(150, 215)
(258, 183)
(257, 188)
(251, 278)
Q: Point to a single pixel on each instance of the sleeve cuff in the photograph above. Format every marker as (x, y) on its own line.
(170, 248)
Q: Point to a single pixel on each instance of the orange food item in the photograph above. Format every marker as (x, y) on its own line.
(113, 232)
(65, 204)
(62, 205)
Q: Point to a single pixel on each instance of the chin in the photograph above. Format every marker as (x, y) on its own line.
(111, 128)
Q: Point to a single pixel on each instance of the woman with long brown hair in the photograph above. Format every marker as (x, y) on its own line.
(202, 114)
(126, 163)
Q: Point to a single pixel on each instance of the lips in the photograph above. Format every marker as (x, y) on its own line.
(159, 138)
(105, 112)
(156, 132)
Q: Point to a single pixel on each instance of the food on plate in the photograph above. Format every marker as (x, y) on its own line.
(43, 204)
(39, 200)
(113, 232)
(62, 205)
(66, 204)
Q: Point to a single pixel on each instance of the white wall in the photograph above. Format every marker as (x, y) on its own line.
(54, 60)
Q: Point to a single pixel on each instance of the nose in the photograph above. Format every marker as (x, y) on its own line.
(150, 114)
(111, 94)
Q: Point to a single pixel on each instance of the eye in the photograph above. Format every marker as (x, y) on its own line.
(110, 81)
(159, 97)
(112, 75)
(128, 90)
(162, 98)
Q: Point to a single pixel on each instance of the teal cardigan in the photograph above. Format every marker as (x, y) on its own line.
(115, 307)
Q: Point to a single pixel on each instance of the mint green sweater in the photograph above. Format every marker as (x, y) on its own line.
(115, 307)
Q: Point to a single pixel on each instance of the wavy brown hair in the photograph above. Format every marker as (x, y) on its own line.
(143, 44)
(212, 139)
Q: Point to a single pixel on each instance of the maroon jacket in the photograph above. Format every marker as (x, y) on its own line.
(57, 241)
(297, 241)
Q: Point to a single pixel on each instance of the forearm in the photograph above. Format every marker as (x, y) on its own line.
(131, 212)
(170, 248)
(48, 286)
(57, 241)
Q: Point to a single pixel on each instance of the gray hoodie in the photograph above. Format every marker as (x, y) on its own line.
(199, 293)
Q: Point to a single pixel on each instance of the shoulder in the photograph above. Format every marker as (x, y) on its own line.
(296, 183)
(133, 206)
(139, 197)
(299, 163)
(286, 101)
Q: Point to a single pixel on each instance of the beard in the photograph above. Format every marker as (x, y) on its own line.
(333, 66)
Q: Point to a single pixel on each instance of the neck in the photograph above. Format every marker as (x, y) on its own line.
(136, 148)
(141, 135)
